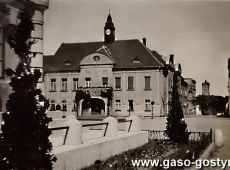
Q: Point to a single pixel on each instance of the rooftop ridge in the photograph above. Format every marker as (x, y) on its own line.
(149, 51)
(86, 42)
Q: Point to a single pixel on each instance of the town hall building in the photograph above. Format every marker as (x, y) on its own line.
(120, 77)
(127, 68)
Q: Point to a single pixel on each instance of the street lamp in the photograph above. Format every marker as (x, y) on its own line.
(152, 103)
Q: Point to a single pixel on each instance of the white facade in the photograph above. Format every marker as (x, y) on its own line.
(146, 86)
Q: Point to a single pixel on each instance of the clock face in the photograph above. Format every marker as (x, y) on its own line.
(108, 31)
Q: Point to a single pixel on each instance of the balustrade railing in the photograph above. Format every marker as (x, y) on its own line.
(61, 128)
(96, 91)
(98, 124)
(194, 136)
(124, 121)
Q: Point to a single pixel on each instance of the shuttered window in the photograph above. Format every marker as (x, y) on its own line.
(130, 82)
(53, 84)
(147, 83)
(117, 83)
(64, 84)
(75, 83)
(105, 81)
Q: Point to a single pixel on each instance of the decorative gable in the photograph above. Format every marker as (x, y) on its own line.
(96, 59)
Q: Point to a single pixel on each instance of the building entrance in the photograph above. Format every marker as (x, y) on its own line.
(93, 106)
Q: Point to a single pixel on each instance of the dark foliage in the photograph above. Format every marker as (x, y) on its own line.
(81, 95)
(21, 41)
(4, 8)
(211, 104)
(108, 93)
(176, 128)
(152, 150)
(24, 142)
(226, 112)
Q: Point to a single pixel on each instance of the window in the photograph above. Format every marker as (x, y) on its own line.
(117, 105)
(147, 83)
(74, 106)
(87, 82)
(147, 105)
(1, 54)
(64, 84)
(130, 82)
(52, 105)
(117, 82)
(53, 85)
(96, 58)
(130, 105)
(64, 106)
(104, 81)
(75, 83)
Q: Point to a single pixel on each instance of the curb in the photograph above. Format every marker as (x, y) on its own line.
(204, 155)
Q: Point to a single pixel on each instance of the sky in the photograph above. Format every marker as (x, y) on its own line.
(196, 32)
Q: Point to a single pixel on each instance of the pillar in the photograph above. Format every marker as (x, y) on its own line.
(136, 123)
(218, 137)
(112, 126)
(74, 136)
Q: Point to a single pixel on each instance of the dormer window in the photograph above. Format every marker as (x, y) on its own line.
(67, 63)
(136, 60)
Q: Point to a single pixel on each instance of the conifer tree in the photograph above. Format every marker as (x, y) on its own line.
(24, 142)
(176, 128)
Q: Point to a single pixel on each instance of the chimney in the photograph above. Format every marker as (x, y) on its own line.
(144, 41)
(171, 59)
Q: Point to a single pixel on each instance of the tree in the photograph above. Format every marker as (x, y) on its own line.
(212, 104)
(176, 128)
(24, 142)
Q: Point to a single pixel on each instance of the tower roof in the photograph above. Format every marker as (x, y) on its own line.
(205, 83)
(109, 18)
(109, 22)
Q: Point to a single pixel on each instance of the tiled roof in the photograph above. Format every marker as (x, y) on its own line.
(158, 57)
(124, 52)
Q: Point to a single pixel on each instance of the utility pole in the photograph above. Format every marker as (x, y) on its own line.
(152, 103)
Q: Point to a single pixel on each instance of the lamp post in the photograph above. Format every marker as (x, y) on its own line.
(152, 103)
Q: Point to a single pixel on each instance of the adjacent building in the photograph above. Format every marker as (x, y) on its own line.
(206, 88)
(9, 12)
(191, 95)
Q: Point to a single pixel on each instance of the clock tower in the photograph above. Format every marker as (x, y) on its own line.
(109, 31)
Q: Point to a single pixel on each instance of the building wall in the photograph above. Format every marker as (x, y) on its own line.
(205, 88)
(139, 94)
(8, 59)
(169, 88)
(191, 95)
(184, 97)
